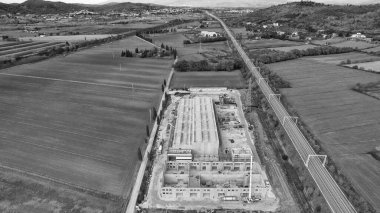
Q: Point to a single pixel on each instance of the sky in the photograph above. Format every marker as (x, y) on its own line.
(182, 2)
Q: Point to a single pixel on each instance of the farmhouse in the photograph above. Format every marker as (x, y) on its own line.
(209, 34)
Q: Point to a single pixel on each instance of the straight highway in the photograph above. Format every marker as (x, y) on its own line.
(330, 190)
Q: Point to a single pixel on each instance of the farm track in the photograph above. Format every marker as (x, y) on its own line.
(333, 195)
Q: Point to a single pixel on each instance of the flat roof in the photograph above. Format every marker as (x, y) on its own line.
(196, 127)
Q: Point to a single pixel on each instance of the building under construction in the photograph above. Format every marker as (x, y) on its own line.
(196, 129)
(195, 168)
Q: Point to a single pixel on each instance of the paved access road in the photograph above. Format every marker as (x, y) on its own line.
(334, 196)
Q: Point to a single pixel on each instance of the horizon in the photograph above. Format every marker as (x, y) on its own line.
(171, 2)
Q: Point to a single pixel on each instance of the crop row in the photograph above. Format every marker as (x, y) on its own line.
(13, 43)
(9, 52)
(32, 51)
(20, 45)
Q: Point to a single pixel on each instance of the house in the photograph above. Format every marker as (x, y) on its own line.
(209, 34)
(294, 36)
(358, 36)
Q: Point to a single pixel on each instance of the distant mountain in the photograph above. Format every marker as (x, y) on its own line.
(238, 3)
(48, 7)
(207, 3)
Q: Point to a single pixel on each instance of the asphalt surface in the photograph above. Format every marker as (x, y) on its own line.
(330, 190)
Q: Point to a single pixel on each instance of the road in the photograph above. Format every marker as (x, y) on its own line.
(131, 208)
(330, 190)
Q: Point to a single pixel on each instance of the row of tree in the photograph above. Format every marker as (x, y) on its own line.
(156, 117)
(267, 56)
(204, 65)
(166, 51)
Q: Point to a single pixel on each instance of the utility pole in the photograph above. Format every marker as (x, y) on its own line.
(250, 181)
(150, 115)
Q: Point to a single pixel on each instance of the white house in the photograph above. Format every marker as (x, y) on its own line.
(358, 36)
(209, 34)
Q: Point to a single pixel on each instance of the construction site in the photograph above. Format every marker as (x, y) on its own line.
(206, 156)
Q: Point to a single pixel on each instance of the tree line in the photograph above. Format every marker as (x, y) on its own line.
(204, 65)
(154, 52)
(267, 56)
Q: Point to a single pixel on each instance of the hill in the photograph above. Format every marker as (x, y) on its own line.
(313, 16)
(48, 7)
(234, 3)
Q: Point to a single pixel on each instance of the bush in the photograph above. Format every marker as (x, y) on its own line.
(285, 157)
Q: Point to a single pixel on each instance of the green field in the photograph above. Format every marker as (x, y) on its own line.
(188, 52)
(8, 51)
(65, 38)
(370, 66)
(270, 43)
(298, 47)
(232, 79)
(345, 121)
(375, 49)
(80, 118)
(354, 57)
(355, 44)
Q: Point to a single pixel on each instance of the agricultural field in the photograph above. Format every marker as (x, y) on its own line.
(132, 43)
(345, 121)
(233, 79)
(375, 49)
(355, 44)
(19, 49)
(370, 66)
(79, 29)
(372, 89)
(354, 57)
(298, 47)
(69, 38)
(270, 43)
(80, 119)
(176, 41)
(328, 41)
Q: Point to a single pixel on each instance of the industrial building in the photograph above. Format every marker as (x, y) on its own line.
(211, 180)
(205, 162)
(196, 129)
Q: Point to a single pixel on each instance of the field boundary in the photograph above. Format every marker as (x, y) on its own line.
(148, 42)
(140, 175)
